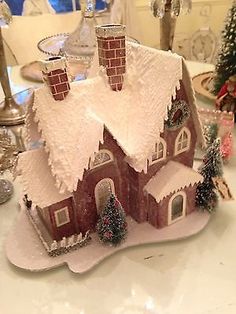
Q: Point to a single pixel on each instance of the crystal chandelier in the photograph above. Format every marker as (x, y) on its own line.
(176, 7)
(168, 11)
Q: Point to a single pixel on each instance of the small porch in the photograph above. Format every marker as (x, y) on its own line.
(171, 194)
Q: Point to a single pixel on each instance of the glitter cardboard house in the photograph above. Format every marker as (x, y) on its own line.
(130, 129)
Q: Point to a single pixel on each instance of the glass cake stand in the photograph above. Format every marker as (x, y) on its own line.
(53, 46)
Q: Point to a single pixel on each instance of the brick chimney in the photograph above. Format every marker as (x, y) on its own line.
(55, 76)
(111, 53)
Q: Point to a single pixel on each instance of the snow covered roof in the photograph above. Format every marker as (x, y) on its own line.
(171, 178)
(135, 116)
(37, 180)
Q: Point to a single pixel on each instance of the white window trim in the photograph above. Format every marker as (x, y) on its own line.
(184, 129)
(164, 152)
(67, 216)
(106, 162)
(96, 191)
(182, 193)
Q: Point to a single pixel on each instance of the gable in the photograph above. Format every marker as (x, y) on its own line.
(190, 94)
(73, 128)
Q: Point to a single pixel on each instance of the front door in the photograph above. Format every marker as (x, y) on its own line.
(103, 190)
(177, 207)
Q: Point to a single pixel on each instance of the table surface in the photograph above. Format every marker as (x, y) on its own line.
(192, 276)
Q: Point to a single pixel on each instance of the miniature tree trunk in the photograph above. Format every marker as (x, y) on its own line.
(112, 226)
(206, 197)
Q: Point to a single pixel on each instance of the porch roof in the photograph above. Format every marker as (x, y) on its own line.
(37, 180)
(171, 178)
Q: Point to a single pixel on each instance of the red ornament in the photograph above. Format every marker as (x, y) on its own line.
(108, 234)
(106, 220)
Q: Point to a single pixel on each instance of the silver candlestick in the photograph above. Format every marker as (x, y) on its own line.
(8, 157)
(10, 112)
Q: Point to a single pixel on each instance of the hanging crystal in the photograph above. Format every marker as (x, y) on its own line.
(5, 14)
(186, 6)
(6, 190)
(175, 8)
(8, 157)
(158, 8)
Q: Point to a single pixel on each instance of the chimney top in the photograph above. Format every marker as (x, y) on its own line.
(110, 30)
(53, 63)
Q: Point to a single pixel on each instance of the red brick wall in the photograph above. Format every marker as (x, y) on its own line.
(133, 194)
(128, 186)
(58, 83)
(185, 158)
(152, 211)
(45, 217)
(191, 199)
(158, 213)
(111, 52)
(67, 229)
(84, 197)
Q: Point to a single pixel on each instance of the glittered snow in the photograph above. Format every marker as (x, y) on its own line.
(171, 178)
(135, 116)
(25, 250)
(32, 132)
(37, 180)
(71, 133)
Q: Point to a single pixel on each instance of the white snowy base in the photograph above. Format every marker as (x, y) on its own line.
(25, 250)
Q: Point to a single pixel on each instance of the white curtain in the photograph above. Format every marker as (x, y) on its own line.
(36, 7)
(124, 12)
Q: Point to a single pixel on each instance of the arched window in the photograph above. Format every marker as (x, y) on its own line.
(159, 152)
(182, 142)
(177, 207)
(102, 157)
(103, 190)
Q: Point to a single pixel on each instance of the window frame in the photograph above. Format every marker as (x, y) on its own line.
(57, 212)
(96, 192)
(177, 141)
(91, 166)
(183, 194)
(163, 142)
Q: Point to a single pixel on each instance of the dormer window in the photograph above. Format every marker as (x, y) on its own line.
(182, 142)
(101, 158)
(159, 152)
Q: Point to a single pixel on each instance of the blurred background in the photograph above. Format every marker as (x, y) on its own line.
(207, 16)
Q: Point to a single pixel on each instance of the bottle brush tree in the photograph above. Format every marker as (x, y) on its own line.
(210, 132)
(206, 197)
(112, 226)
(226, 61)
